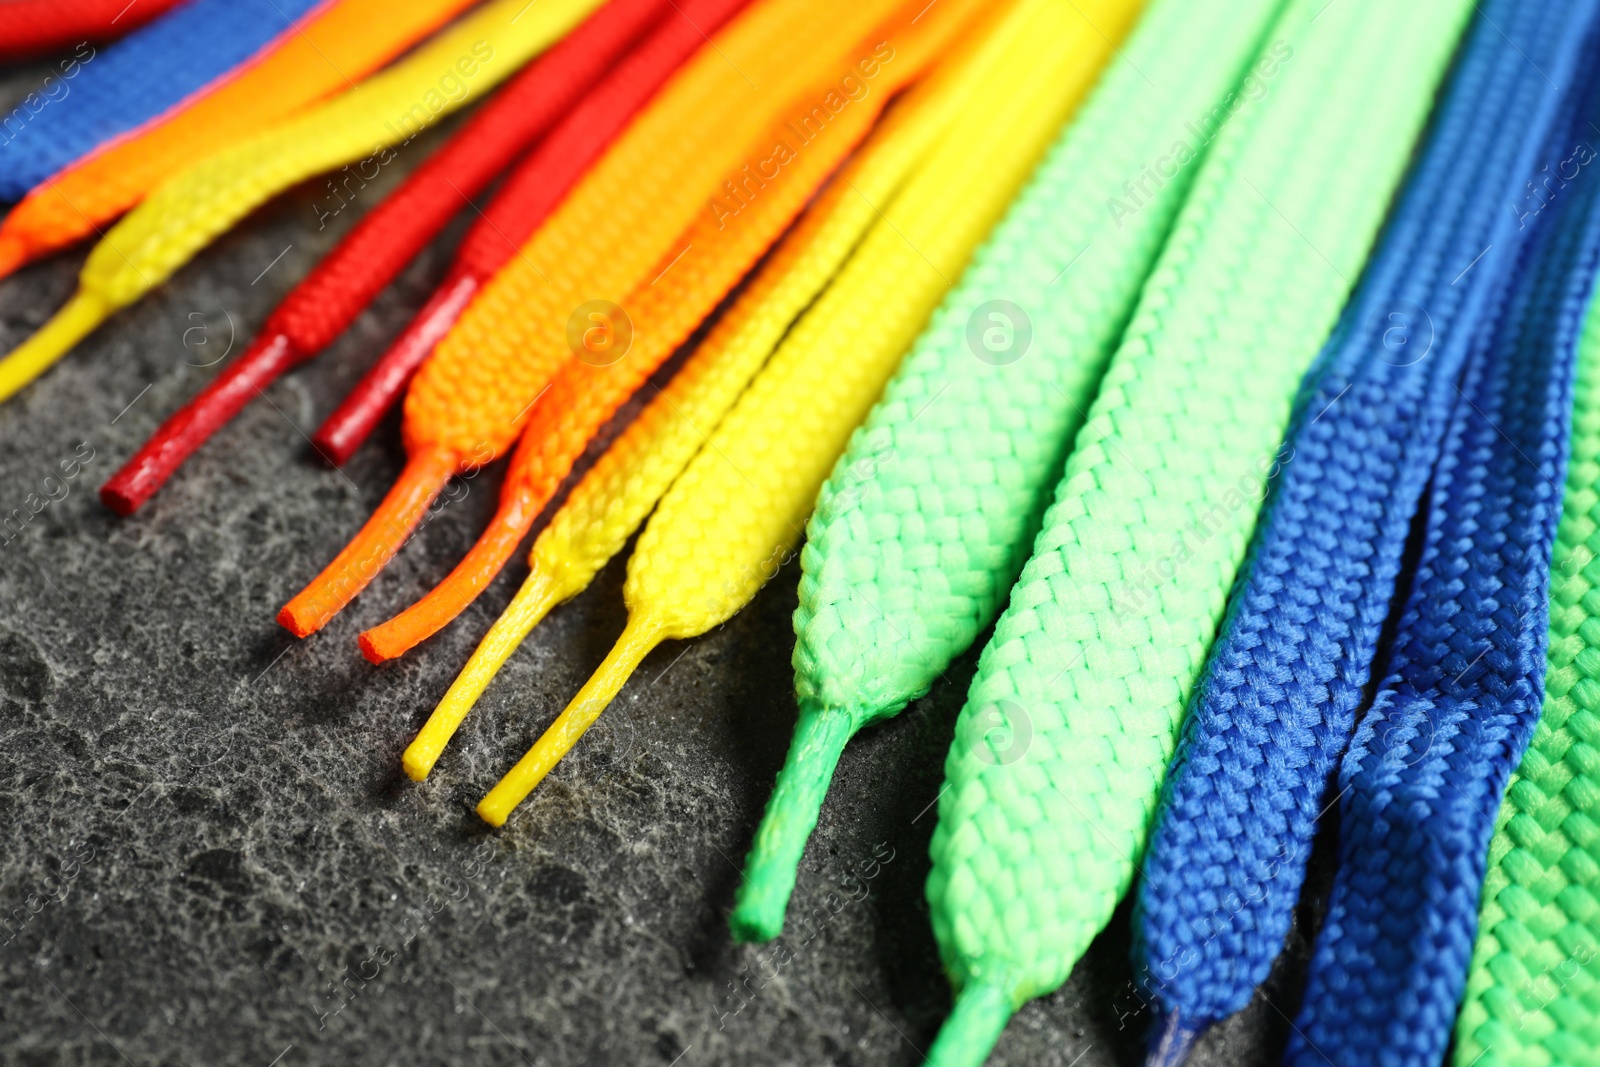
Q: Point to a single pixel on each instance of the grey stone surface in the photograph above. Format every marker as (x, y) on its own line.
(211, 857)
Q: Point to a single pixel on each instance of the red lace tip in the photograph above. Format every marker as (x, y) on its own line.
(13, 255)
(193, 424)
(373, 650)
(359, 414)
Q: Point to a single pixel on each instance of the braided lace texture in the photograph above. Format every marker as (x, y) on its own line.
(1427, 767)
(757, 478)
(1228, 849)
(927, 517)
(339, 42)
(1059, 752)
(1533, 993)
(99, 95)
(29, 27)
(618, 492)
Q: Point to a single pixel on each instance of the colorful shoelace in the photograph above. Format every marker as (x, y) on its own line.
(1533, 993)
(1427, 768)
(31, 27)
(339, 42)
(557, 93)
(470, 400)
(620, 490)
(756, 480)
(189, 210)
(926, 519)
(1285, 678)
(526, 198)
(112, 92)
(708, 260)
(1060, 749)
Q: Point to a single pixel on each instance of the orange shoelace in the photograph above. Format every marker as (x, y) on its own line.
(342, 43)
(472, 398)
(761, 198)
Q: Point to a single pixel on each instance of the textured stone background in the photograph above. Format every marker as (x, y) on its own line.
(211, 856)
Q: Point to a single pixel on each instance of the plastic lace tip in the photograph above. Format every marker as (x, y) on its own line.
(1171, 1041)
(769, 871)
(638, 638)
(353, 421)
(532, 603)
(54, 339)
(372, 547)
(981, 1012)
(460, 588)
(186, 429)
(14, 255)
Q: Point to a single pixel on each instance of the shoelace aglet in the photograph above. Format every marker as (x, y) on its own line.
(353, 421)
(14, 253)
(1171, 1041)
(769, 871)
(373, 545)
(193, 424)
(53, 340)
(461, 587)
(982, 1009)
(542, 591)
(639, 637)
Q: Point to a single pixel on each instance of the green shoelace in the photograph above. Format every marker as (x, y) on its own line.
(927, 518)
(1533, 994)
(1062, 745)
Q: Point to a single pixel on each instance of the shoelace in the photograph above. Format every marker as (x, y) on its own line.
(1531, 992)
(525, 198)
(1427, 767)
(106, 94)
(1285, 677)
(190, 209)
(757, 478)
(31, 27)
(471, 399)
(345, 40)
(557, 93)
(1060, 749)
(706, 262)
(627, 480)
(926, 518)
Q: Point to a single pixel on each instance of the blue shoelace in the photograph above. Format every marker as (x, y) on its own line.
(1285, 679)
(93, 96)
(1426, 770)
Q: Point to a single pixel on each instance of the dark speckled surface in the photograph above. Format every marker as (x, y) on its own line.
(210, 856)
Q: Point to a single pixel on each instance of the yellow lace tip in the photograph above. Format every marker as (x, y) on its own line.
(638, 638)
(55, 339)
(531, 604)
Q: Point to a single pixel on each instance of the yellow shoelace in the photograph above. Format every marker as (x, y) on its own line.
(757, 478)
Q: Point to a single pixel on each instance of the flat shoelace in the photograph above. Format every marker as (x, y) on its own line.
(927, 517)
(111, 92)
(1285, 677)
(32, 27)
(471, 398)
(345, 40)
(525, 198)
(1426, 770)
(756, 480)
(189, 210)
(620, 490)
(554, 94)
(1060, 749)
(705, 264)
(1532, 995)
